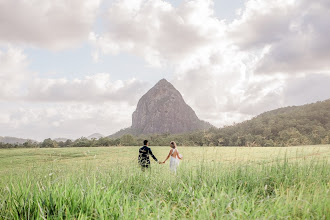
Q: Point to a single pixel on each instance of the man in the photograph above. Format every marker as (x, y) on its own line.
(144, 153)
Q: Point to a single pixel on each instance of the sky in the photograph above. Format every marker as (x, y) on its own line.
(71, 68)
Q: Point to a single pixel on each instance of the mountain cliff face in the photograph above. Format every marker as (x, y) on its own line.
(163, 110)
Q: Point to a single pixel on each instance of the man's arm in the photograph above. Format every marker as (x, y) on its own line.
(152, 155)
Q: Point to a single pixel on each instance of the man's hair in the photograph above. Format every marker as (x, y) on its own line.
(145, 142)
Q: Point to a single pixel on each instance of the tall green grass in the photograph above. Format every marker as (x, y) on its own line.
(276, 189)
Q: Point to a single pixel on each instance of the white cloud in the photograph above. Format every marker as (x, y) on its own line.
(295, 31)
(35, 107)
(90, 89)
(225, 93)
(307, 89)
(271, 52)
(44, 23)
(13, 72)
(157, 31)
(20, 84)
(63, 120)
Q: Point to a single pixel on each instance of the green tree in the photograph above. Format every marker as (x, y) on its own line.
(49, 143)
(127, 140)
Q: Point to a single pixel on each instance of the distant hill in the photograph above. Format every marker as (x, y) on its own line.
(95, 135)
(295, 125)
(162, 110)
(14, 140)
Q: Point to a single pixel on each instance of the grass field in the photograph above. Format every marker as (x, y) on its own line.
(212, 183)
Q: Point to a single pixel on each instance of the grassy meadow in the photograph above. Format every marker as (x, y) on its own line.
(212, 183)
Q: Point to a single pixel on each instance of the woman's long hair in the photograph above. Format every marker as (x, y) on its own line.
(173, 145)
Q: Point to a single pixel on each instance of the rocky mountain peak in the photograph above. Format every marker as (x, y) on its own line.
(163, 83)
(163, 110)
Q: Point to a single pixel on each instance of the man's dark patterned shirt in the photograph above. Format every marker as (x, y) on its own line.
(144, 153)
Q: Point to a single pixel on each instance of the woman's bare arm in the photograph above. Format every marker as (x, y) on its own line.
(168, 156)
(178, 155)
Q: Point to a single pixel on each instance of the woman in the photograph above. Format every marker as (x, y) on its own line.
(175, 156)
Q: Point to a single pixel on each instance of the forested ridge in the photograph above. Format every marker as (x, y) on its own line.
(297, 125)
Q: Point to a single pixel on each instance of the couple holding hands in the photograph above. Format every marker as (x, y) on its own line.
(145, 151)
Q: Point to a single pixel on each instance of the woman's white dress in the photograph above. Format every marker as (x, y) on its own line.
(174, 162)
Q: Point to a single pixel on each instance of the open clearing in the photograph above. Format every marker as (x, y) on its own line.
(212, 183)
